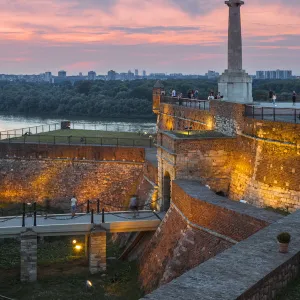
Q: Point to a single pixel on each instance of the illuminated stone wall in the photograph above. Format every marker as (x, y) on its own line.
(58, 180)
(261, 166)
(175, 117)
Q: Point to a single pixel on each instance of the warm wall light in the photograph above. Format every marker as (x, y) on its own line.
(74, 242)
(78, 247)
(89, 284)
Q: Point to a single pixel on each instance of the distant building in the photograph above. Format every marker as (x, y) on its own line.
(48, 77)
(130, 75)
(212, 74)
(92, 75)
(136, 72)
(144, 74)
(111, 75)
(62, 74)
(276, 74)
(80, 74)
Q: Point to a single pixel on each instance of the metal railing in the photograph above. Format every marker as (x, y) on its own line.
(29, 130)
(289, 115)
(77, 140)
(187, 102)
(148, 129)
(114, 127)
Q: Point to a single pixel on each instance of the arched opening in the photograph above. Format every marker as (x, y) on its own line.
(166, 192)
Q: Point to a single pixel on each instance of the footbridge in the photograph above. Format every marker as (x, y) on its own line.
(94, 226)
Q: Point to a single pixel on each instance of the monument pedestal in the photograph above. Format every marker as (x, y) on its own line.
(236, 86)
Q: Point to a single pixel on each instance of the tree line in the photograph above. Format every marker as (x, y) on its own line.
(114, 98)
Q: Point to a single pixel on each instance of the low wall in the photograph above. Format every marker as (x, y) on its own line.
(252, 269)
(102, 153)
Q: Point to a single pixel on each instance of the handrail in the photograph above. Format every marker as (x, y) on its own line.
(288, 115)
(187, 102)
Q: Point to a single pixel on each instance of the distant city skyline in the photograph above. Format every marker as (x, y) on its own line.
(80, 36)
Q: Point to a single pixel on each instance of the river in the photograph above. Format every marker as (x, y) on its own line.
(9, 122)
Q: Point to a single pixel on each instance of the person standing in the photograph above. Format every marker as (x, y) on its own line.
(134, 206)
(173, 93)
(294, 98)
(73, 205)
(271, 95)
(274, 99)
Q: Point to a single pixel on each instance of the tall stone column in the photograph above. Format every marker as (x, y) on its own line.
(235, 85)
(28, 256)
(97, 249)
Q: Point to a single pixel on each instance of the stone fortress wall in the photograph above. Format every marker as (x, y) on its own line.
(261, 163)
(39, 172)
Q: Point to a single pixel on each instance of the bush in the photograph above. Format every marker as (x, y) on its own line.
(284, 238)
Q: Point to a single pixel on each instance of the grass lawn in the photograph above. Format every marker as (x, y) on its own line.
(62, 274)
(80, 136)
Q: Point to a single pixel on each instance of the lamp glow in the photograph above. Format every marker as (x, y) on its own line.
(89, 284)
(78, 247)
(74, 242)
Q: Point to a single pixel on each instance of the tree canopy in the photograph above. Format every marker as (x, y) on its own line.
(114, 98)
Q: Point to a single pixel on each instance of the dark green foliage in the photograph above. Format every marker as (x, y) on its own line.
(284, 237)
(115, 98)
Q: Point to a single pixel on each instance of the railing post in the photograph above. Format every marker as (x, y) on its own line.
(34, 214)
(150, 143)
(262, 113)
(23, 215)
(88, 206)
(274, 113)
(39, 139)
(103, 220)
(253, 112)
(42, 128)
(54, 139)
(98, 206)
(295, 115)
(55, 125)
(117, 142)
(92, 217)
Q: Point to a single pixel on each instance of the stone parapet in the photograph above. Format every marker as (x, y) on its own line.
(252, 269)
(28, 256)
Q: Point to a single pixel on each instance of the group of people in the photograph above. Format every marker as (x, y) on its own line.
(212, 96)
(191, 94)
(273, 97)
(194, 94)
(133, 205)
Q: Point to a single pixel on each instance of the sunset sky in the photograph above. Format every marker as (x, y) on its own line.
(187, 36)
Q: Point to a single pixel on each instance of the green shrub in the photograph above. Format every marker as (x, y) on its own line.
(284, 237)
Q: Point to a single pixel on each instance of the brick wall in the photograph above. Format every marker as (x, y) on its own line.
(63, 151)
(252, 269)
(174, 249)
(194, 230)
(58, 180)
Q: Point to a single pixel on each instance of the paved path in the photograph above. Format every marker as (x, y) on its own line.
(278, 104)
(81, 224)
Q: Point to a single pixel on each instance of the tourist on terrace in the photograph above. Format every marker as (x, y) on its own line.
(189, 94)
(196, 94)
(73, 206)
(173, 93)
(274, 99)
(134, 205)
(219, 96)
(294, 98)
